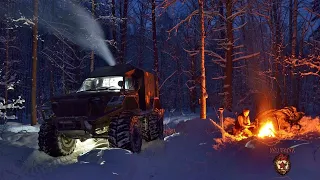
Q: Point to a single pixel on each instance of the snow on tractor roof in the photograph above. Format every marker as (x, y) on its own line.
(117, 70)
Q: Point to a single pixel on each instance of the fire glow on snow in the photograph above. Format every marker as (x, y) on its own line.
(310, 127)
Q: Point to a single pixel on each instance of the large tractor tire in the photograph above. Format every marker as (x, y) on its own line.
(125, 132)
(155, 127)
(54, 143)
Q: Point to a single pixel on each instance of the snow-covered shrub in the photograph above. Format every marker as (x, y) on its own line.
(8, 109)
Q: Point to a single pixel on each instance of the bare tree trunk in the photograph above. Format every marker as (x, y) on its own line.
(51, 81)
(193, 92)
(295, 28)
(290, 23)
(285, 90)
(203, 95)
(92, 52)
(284, 69)
(229, 51)
(124, 32)
(222, 23)
(221, 20)
(141, 35)
(63, 78)
(301, 46)
(114, 26)
(119, 57)
(140, 54)
(295, 79)
(6, 63)
(276, 48)
(6, 66)
(51, 66)
(155, 46)
(34, 64)
(179, 90)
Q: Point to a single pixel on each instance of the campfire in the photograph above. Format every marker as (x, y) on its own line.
(283, 124)
(267, 130)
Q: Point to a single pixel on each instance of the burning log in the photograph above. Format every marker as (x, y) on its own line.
(282, 119)
(267, 130)
(268, 123)
(272, 127)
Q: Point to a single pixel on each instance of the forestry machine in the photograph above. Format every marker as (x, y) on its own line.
(118, 103)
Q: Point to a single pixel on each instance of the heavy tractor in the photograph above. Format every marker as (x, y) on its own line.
(118, 103)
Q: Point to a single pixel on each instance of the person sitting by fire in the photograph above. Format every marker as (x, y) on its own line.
(243, 124)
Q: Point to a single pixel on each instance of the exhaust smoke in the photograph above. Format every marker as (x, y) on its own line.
(80, 28)
(72, 22)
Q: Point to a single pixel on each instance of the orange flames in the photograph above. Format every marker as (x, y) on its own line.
(267, 130)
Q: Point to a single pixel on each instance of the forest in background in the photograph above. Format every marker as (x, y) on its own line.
(256, 53)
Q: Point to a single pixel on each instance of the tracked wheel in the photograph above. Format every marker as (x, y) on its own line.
(125, 132)
(155, 126)
(54, 143)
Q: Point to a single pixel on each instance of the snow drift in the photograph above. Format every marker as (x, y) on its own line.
(188, 154)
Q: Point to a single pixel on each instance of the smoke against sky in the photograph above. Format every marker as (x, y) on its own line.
(86, 32)
(73, 22)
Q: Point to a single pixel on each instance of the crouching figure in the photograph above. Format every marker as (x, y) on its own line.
(243, 125)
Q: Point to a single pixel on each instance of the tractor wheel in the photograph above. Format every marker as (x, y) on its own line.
(54, 143)
(155, 127)
(125, 132)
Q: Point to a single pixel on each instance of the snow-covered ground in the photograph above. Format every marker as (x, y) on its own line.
(188, 154)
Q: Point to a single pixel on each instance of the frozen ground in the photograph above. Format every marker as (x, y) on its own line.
(187, 155)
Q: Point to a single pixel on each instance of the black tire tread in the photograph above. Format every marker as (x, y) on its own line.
(48, 141)
(119, 131)
(155, 127)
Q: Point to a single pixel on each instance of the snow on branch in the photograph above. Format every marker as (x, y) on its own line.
(167, 79)
(237, 47)
(213, 54)
(210, 14)
(312, 62)
(218, 78)
(13, 105)
(239, 27)
(239, 67)
(187, 19)
(25, 20)
(10, 82)
(219, 63)
(192, 86)
(267, 17)
(246, 57)
(221, 28)
(191, 53)
(237, 53)
(61, 67)
(311, 11)
(112, 43)
(166, 4)
(110, 18)
(238, 13)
